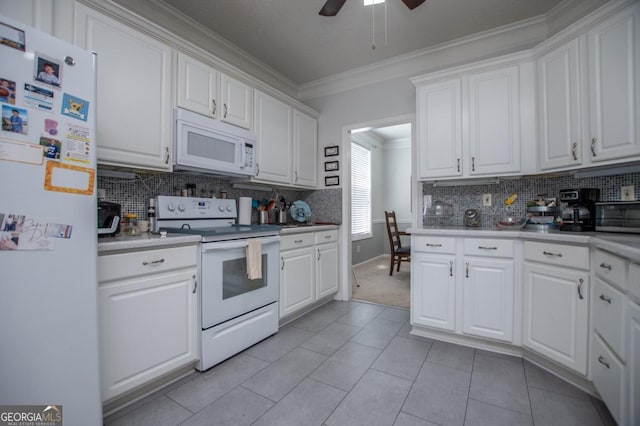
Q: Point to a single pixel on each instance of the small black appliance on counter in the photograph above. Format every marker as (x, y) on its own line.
(109, 215)
(580, 213)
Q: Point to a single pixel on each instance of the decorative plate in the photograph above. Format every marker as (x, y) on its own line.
(300, 211)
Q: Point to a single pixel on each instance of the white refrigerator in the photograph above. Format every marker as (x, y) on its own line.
(48, 242)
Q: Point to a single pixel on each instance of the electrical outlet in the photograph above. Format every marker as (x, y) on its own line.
(426, 201)
(486, 200)
(628, 193)
(102, 193)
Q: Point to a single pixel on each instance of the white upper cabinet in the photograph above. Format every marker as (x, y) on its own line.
(286, 142)
(614, 87)
(205, 90)
(439, 129)
(494, 122)
(559, 108)
(472, 123)
(273, 127)
(134, 92)
(305, 146)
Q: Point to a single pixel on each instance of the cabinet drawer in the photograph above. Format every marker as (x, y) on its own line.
(125, 265)
(611, 268)
(488, 247)
(326, 236)
(608, 373)
(557, 254)
(288, 242)
(608, 315)
(634, 280)
(430, 244)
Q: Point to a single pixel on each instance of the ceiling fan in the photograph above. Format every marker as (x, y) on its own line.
(332, 7)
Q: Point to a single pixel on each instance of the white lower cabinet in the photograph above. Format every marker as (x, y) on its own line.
(633, 366)
(488, 298)
(474, 274)
(556, 302)
(147, 316)
(608, 373)
(433, 290)
(309, 269)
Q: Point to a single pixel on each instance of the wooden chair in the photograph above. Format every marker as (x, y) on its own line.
(398, 252)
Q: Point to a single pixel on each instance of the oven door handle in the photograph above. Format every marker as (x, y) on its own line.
(227, 245)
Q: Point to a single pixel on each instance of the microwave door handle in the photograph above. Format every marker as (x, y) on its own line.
(243, 155)
(114, 224)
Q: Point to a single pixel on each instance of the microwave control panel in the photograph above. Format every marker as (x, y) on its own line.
(248, 155)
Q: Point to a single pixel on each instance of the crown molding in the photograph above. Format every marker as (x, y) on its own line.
(497, 41)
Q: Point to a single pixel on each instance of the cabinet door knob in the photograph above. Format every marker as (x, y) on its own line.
(603, 362)
(548, 253)
(580, 282)
(593, 147)
(605, 266)
(605, 298)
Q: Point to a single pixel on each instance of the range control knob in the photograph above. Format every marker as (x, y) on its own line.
(171, 207)
(181, 207)
(221, 208)
(229, 209)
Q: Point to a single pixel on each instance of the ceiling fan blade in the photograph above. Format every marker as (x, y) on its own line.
(332, 7)
(412, 4)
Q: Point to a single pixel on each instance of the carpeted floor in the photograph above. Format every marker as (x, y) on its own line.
(377, 286)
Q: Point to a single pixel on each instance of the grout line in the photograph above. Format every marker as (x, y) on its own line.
(466, 406)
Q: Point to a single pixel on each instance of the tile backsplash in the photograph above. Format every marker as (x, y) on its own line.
(133, 194)
(527, 188)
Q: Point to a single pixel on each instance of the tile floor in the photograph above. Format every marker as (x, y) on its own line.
(353, 363)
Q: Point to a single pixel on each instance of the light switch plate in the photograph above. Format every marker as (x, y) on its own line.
(628, 193)
(486, 200)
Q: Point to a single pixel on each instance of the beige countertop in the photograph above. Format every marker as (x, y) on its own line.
(306, 228)
(625, 245)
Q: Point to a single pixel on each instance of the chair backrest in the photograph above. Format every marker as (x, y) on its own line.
(392, 231)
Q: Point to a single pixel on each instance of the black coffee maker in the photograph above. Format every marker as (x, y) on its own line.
(580, 212)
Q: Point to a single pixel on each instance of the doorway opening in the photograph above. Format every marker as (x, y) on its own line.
(380, 180)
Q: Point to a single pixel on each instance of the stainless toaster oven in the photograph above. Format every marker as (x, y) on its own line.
(619, 216)
(108, 219)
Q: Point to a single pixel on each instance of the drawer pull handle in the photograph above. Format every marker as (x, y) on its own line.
(473, 164)
(548, 253)
(153, 262)
(603, 362)
(451, 268)
(318, 254)
(297, 241)
(593, 147)
(458, 165)
(282, 260)
(573, 151)
(580, 282)
(605, 266)
(214, 106)
(327, 236)
(195, 285)
(467, 270)
(605, 298)
(487, 248)
(433, 245)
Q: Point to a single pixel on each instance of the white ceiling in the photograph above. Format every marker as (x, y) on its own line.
(290, 36)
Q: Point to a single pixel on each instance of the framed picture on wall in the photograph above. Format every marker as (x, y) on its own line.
(330, 166)
(331, 180)
(331, 151)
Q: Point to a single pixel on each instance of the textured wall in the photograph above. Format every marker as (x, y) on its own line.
(466, 197)
(133, 195)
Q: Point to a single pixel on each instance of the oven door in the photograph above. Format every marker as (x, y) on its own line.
(226, 291)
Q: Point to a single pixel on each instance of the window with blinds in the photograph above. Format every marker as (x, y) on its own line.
(360, 192)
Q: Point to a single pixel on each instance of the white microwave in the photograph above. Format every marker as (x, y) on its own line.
(203, 144)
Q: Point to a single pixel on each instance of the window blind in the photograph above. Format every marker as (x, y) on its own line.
(360, 191)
